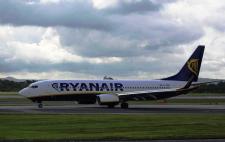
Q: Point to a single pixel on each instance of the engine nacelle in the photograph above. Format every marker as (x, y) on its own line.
(108, 99)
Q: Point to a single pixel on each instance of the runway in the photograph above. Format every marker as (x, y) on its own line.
(95, 109)
(177, 97)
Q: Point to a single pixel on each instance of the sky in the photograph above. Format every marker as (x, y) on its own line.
(124, 39)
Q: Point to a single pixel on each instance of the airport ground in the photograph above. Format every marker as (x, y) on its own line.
(195, 116)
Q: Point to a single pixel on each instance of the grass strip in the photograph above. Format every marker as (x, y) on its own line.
(183, 101)
(112, 127)
(24, 101)
(9, 93)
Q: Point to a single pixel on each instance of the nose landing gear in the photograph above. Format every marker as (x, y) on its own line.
(40, 105)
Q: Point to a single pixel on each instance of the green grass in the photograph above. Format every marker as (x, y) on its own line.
(15, 101)
(8, 93)
(197, 101)
(205, 94)
(89, 127)
(184, 101)
(24, 101)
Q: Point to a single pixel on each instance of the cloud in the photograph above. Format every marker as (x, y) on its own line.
(135, 6)
(102, 4)
(46, 55)
(36, 60)
(155, 27)
(141, 39)
(47, 50)
(75, 14)
(137, 35)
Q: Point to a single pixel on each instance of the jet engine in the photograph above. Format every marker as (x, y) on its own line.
(108, 99)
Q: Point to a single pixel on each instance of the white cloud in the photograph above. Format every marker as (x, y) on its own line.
(46, 51)
(49, 1)
(92, 38)
(208, 16)
(192, 12)
(101, 4)
(49, 75)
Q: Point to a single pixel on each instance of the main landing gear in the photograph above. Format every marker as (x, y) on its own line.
(124, 105)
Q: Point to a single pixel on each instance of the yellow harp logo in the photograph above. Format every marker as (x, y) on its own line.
(193, 66)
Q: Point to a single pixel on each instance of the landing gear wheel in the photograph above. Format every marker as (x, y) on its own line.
(124, 105)
(40, 105)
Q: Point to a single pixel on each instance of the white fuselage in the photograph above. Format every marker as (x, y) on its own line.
(95, 87)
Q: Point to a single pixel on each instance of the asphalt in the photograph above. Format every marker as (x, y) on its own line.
(24, 106)
(189, 140)
(177, 97)
(96, 109)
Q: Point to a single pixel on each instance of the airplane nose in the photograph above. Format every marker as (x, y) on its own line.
(23, 92)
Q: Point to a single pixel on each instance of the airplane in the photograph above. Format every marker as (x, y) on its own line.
(111, 92)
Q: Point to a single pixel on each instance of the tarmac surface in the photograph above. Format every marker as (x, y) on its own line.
(96, 109)
(177, 97)
(19, 104)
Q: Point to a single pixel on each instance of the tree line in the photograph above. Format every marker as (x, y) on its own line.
(212, 88)
(11, 86)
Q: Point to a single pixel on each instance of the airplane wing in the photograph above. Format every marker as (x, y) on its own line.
(204, 83)
(154, 95)
(157, 94)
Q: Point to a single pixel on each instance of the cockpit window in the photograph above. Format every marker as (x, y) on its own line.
(34, 86)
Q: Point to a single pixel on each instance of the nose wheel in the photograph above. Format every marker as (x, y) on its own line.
(40, 105)
(124, 105)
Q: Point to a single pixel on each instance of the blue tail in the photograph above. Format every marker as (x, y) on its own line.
(191, 67)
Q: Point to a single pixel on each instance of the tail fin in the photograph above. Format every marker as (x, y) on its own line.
(191, 67)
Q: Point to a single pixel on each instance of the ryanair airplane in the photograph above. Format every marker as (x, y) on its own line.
(114, 92)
